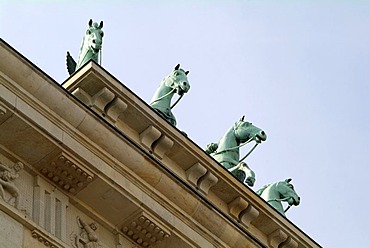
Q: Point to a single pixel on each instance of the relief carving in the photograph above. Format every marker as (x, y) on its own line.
(7, 175)
(87, 238)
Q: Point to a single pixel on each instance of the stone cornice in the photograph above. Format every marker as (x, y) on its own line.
(202, 170)
(123, 122)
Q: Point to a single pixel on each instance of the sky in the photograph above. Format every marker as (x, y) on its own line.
(297, 69)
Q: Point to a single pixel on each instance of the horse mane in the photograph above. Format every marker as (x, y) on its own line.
(236, 130)
(83, 50)
(170, 76)
(237, 124)
(260, 191)
(237, 135)
(82, 44)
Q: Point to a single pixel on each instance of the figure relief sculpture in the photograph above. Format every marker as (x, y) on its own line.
(175, 82)
(90, 48)
(7, 175)
(276, 193)
(87, 238)
(227, 150)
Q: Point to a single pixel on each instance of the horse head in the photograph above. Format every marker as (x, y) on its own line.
(175, 82)
(91, 46)
(286, 190)
(227, 150)
(179, 80)
(94, 36)
(275, 193)
(245, 131)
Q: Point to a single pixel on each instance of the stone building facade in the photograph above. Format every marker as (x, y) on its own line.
(88, 164)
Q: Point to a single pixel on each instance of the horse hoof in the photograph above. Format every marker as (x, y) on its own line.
(250, 181)
(240, 175)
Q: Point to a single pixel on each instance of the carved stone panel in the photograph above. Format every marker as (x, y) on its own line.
(49, 208)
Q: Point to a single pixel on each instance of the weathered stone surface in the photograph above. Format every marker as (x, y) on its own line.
(11, 232)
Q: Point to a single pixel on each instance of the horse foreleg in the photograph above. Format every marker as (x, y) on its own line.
(243, 173)
(240, 175)
(236, 167)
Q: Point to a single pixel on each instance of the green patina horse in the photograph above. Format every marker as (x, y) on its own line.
(91, 46)
(226, 152)
(276, 193)
(175, 82)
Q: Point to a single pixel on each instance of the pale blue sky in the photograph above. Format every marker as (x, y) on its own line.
(298, 69)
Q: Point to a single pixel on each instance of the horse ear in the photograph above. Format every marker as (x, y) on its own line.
(90, 22)
(101, 25)
(177, 67)
(187, 72)
(288, 180)
(242, 119)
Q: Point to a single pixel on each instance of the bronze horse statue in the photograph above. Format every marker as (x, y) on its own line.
(276, 193)
(175, 82)
(90, 48)
(226, 151)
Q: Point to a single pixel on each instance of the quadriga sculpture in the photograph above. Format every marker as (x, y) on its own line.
(226, 152)
(90, 48)
(175, 82)
(276, 193)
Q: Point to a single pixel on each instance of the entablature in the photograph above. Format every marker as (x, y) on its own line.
(183, 157)
(117, 148)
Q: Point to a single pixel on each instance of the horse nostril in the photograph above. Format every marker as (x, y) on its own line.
(263, 133)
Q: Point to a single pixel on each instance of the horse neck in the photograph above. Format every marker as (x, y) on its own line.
(229, 141)
(162, 90)
(270, 194)
(86, 54)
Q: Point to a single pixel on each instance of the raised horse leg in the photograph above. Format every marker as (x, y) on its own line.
(243, 173)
